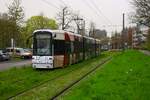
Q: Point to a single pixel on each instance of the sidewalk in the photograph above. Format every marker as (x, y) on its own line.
(145, 52)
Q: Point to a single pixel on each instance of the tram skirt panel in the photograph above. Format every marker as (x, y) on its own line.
(59, 61)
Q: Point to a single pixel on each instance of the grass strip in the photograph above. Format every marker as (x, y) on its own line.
(16, 80)
(51, 88)
(126, 77)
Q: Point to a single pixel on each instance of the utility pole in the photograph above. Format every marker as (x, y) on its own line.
(63, 18)
(123, 32)
(78, 26)
(123, 21)
(83, 28)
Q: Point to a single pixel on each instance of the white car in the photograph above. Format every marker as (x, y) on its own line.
(25, 53)
(19, 52)
(15, 50)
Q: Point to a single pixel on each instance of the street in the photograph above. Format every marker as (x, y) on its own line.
(9, 64)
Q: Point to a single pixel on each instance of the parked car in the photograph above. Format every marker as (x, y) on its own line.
(19, 52)
(15, 50)
(26, 53)
(4, 55)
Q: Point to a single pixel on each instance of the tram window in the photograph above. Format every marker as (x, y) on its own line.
(68, 47)
(59, 47)
(43, 47)
(80, 46)
(42, 44)
(72, 47)
(76, 48)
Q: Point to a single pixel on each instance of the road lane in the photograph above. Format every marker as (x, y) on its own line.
(8, 65)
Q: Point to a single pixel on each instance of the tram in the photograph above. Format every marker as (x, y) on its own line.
(58, 48)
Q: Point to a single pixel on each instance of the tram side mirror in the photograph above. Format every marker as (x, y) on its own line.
(54, 35)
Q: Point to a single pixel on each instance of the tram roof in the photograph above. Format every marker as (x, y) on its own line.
(57, 31)
(49, 30)
(62, 32)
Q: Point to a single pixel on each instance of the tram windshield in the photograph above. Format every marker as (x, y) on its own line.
(42, 44)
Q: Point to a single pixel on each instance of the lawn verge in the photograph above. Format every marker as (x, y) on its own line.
(126, 77)
(17, 80)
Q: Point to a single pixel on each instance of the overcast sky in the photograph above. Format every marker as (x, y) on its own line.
(107, 14)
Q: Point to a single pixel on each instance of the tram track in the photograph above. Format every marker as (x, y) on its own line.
(55, 78)
(78, 80)
(9, 98)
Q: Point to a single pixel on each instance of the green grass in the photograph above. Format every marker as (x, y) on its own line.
(126, 77)
(17, 80)
(49, 89)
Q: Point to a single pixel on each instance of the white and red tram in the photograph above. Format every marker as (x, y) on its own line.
(58, 48)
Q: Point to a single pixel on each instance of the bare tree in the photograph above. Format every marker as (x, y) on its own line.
(142, 12)
(80, 22)
(15, 11)
(148, 40)
(64, 17)
(142, 15)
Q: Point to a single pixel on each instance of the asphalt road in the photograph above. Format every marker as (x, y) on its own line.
(8, 64)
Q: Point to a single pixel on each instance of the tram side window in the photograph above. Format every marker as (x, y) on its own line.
(80, 45)
(68, 47)
(86, 45)
(76, 47)
(59, 47)
(72, 47)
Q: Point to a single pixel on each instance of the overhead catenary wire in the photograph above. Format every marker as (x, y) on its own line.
(100, 11)
(90, 4)
(111, 25)
(50, 4)
(93, 9)
(63, 2)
